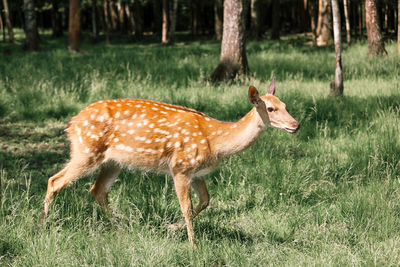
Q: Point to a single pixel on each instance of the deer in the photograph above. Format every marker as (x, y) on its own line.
(149, 135)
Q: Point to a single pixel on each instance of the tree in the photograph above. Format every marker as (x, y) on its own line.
(324, 28)
(346, 17)
(164, 31)
(8, 22)
(218, 17)
(2, 28)
(398, 26)
(31, 32)
(94, 20)
(255, 18)
(376, 45)
(106, 21)
(56, 20)
(172, 15)
(337, 85)
(74, 29)
(233, 60)
(276, 6)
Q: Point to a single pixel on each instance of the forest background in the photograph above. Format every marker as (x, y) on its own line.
(328, 195)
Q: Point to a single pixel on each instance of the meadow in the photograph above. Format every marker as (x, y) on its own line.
(328, 195)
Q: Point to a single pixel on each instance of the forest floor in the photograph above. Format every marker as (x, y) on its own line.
(327, 195)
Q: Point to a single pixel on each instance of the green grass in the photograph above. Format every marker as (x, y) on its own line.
(328, 195)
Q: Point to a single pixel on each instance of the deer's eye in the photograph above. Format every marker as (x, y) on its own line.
(270, 109)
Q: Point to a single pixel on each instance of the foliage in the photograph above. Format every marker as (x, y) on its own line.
(328, 195)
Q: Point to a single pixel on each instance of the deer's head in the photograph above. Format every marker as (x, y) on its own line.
(271, 110)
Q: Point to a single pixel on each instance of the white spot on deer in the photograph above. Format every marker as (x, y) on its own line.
(80, 140)
(163, 112)
(143, 115)
(85, 123)
(194, 134)
(87, 150)
(117, 115)
(139, 149)
(116, 127)
(100, 118)
(173, 109)
(88, 133)
(192, 161)
(198, 158)
(128, 148)
(108, 150)
(154, 108)
(234, 126)
(131, 131)
(186, 139)
(161, 120)
(116, 140)
(118, 105)
(139, 124)
(163, 139)
(148, 141)
(196, 126)
(126, 112)
(213, 133)
(123, 121)
(210, 125)
(161, 150)
(207, 119)
(180, 110)
(138, 106)
(194, 146)
(78, 130)
(92, 127)
(169, 144)
(134, 116)
(101, 134)
(120, 147)
(151, 125)
(92, 116)
(177, 144)
(202, 141)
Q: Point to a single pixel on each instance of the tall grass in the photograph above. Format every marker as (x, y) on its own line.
(328, 195)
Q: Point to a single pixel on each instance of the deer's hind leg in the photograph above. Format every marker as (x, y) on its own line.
(108, 175)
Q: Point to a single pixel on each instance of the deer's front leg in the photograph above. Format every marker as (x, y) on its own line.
(182, 187)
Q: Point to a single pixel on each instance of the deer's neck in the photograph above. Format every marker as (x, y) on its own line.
(236, 136)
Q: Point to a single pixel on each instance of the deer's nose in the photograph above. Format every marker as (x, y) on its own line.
(296, 125)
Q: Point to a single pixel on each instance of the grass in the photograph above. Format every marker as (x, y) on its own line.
(328, 195)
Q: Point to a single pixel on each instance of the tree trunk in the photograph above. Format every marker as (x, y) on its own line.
(32, 40)
(376, 45)
(255, 18)
(218, 16)
(233, 60)
(157, 16)
(56, 20)
(2, 28)
(325, 31)
(312, 9)
(346, 17)
(173, 13)
(114, 16)
(337, 85)
(107, 25)
(121, 12)
(74, 29)
(94, 20)
(164, 32)
(276, 14)
(195, 16)
(130, 20)
(398, 26)
(139, 20)
(8, 22)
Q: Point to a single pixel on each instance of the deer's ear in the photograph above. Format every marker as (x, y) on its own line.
(272, 86)
(254, 97)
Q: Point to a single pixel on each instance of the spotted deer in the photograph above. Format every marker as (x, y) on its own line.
(150, 135)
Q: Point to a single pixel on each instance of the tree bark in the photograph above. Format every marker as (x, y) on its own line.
(172, 15)
(376, 45)
(157, 15)
(218, 17)
(233, 60)
(195, 16)
(107, 25)
(312, 9)
(164, 32)
(337, 85)
(325, 30)
(121, 13)
(346, 17)
(276, 15)
(31, 32)
(8, 22)
(56, 20)
(74, 29)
